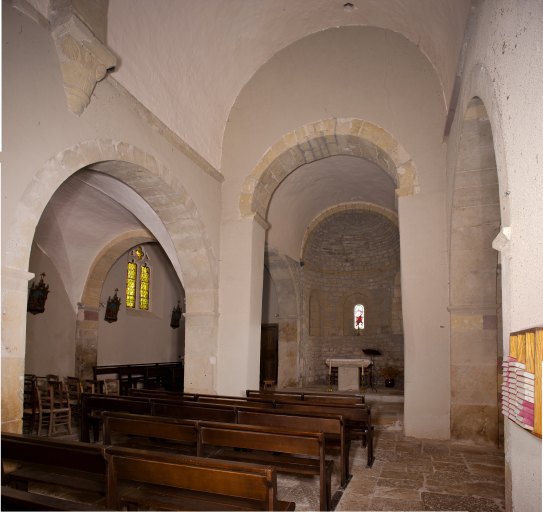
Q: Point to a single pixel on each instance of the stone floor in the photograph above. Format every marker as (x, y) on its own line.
(408, 473)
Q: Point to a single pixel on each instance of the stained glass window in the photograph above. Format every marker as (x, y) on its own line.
(359, 316)
(145, 278)
(138, 280)
(131, 274)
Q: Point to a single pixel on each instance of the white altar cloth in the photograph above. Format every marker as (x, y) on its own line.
(348, 372)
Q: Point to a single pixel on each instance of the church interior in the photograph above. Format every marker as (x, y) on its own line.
(288, 196)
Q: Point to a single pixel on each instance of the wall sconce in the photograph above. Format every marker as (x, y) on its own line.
(37, 295)
(176, 316)
(112, 307)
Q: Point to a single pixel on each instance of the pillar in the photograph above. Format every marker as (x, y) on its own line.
(240, 304)
(14, 301)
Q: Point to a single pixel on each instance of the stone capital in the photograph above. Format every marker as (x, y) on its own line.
(84, 60)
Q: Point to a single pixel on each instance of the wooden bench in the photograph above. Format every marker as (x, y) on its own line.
(150, 432)
(16, 499)
(299, 453)
(161, 393)
(194, 411)
(93, 405)
(333, 398)
(158, 481)
(357, 419)
(70, 464)
(332, 426)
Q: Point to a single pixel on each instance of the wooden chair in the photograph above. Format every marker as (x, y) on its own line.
(111, 387)
(30, 408)
(90, 386)
(53, 406)
(74, 389)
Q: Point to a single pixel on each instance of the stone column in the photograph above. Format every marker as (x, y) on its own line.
(240, 304)
(14, 301)
(86, 341)
(200, 351)
(474, 402)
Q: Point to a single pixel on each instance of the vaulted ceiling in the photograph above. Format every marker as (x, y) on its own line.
(188, 61)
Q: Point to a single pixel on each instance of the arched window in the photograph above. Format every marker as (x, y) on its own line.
(359, 317)
(138, 280)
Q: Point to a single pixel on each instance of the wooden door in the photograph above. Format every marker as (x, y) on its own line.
(269, 359)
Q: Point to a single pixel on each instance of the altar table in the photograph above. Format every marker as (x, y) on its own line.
(348, 372)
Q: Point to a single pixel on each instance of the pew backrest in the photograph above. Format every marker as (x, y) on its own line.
(332, 426)
(307, 450)
(206, 480)
(92, 406)
(194, 411)
(151, 430)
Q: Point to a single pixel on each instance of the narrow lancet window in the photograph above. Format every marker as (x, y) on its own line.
(145, 278)
(138, 280)
(131, 275)
(359, 317)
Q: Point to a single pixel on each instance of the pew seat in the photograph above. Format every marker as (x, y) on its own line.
(17, 499)
(54, 462)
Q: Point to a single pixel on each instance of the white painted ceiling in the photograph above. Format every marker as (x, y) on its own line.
(187, 61)
(314, 187)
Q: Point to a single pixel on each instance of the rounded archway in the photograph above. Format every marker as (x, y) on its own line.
(183, 236)
(475, 283)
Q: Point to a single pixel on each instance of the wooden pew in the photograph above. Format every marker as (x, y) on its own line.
(158, 481)
(357, 419)
(332, 426)
(203, 398)
(150, 432)
(332, 398)
(299, 453)
(69, 464)
(17, 499)
(161, 393)
(92, 406)
(194, 411)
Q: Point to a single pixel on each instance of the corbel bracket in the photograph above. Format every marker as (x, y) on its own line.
(84, 60)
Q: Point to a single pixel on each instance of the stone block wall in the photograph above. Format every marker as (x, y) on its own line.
(352, 257)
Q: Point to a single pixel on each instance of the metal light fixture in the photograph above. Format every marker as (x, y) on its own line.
(112, 307)
(37, 295)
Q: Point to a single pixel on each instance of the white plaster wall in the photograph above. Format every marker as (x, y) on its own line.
(187, 60)
(380, 77)
(141, 336)
(36, 116)
(504, 68)
(37, 128)
(50, 341)
(425, 320)
(240, 295)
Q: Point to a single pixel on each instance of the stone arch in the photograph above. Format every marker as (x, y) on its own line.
(314, 141)
(161, 189)
(143, 173)
(475, 291)
(86, 332)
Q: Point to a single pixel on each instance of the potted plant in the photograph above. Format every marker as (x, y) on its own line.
(389, 373)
